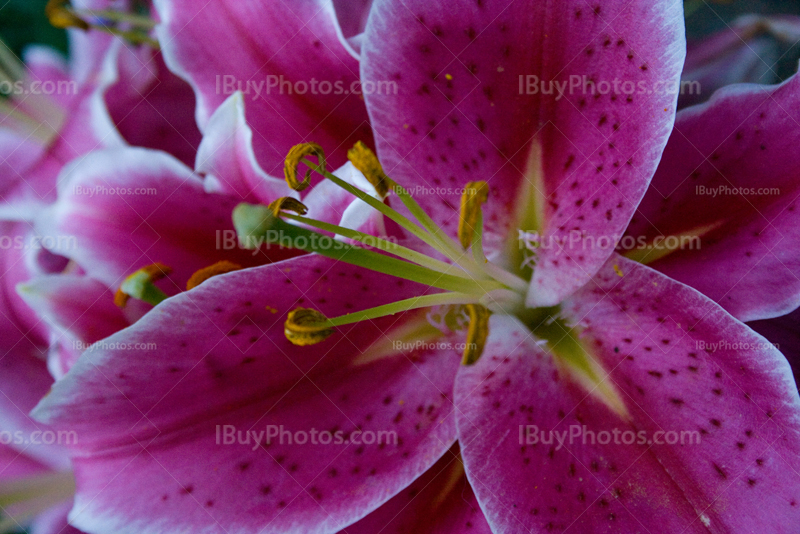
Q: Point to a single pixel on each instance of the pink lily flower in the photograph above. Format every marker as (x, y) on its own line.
(57, 111)
(220, 408)
(109, 94)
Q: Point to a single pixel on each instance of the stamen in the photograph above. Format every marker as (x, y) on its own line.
(256, 225)
(221, 267)
(287, 204)
(382, 244)
(477, 333)
(431, 239)
(61, 16)
(141, 285)
(297, 153)
(323, 324)
(365, 161)
(475, 195)
(305, 326)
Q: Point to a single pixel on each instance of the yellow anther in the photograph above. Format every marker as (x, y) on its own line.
(305, 326)
(367, 162)
(288, 204)
(475, 195)
(293, 158)
(477, 333)
(61, 16)
(200, 276)
(140, 285)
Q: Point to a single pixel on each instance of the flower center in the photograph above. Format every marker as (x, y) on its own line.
(469, 280)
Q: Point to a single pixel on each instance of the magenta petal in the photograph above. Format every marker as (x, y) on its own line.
(79, 305)
(514, 391)
(148, 413)
(731, 164)
(54, 521)
(227, 160)
(79, 310)
(28, 175)
(119, 210)
(680, 364)
(221, 47)
(24, 380)
(458, 113)
(441, 501)
(152, 107)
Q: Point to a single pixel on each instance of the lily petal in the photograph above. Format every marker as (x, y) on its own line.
(119, 210)
(441, 501)
(150, 106)
(150, 459)
(79, 310)
(462, 110)
(220, 47)
(729, 175)
(227, 160)
(681, 365)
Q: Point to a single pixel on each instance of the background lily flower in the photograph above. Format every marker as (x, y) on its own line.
(726, 189)
(746, 51)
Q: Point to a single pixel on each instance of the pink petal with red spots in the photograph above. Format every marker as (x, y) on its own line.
(731, 165)
(736, 403)
(147, 417)
(441, 501)
(513, 394)
(220, 47)
(460, 113)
